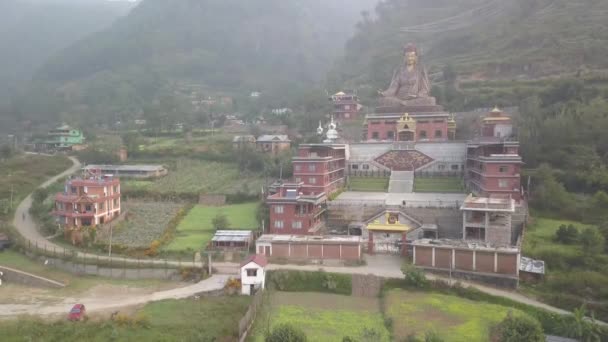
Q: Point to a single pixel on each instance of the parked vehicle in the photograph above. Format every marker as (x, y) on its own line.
(5, 242)
(78, 313)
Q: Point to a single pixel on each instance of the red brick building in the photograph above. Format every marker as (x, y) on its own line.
(320, 167)
(294, 211)
(88, 202)
(318, 171)
(493, 164)
(345, 105)
(298, 247)
(431, 126)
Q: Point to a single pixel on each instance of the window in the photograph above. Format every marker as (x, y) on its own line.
(115, 189)
(312, 180)
(503, 183)
(88, 207)
(354, 167)
(312, 167)
(422, 121)
(503, 169)
(438, 133)
(252, 272)
(375, 122)
(298, 179)
(365, 167)
(441, 167)
(101, 207)
(390, 135)
(296, 225)
(438, 121)
(375, 135)
(346, 107)
(422, 134)
(278, 224)
(455, 167)
(74, 189)
(279, 209)
(297, 167)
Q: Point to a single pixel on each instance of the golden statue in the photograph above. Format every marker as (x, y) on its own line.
(410, 84)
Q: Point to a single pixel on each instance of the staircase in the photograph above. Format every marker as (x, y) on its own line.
(401, 182)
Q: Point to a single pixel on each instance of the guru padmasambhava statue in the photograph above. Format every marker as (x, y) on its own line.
(410, 85)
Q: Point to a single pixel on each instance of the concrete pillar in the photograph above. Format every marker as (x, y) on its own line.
(453, 258)
(414, 256)
(370, 243)
(433, 257)
(474, 260)
(495, 262)
(289, 249)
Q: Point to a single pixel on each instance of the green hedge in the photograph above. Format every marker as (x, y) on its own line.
(300, 281)
(552, 323)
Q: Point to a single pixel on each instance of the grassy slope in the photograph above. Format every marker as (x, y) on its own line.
(196, 229)
(324, 317)
(209, 319)
(368, 184)
(540, 238)
(447, 184)
(26, 172)
(453, 318)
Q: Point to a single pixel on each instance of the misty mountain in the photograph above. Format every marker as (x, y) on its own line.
(480, 39)
(222, 45)
(31, 31)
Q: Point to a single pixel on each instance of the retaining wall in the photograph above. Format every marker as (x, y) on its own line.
(11, 275)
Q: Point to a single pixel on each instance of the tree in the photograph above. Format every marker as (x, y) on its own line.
(520, 328)
(592, 241)
(286, 333)
(566, 234)
(220, 222)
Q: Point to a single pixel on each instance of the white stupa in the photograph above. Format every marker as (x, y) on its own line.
(332, 133)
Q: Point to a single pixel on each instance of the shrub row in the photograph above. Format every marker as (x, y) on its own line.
(318, 281)
(552, 323)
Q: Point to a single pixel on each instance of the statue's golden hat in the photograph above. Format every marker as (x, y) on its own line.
(411, 47)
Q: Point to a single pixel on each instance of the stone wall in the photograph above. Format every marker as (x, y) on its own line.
(14, 276)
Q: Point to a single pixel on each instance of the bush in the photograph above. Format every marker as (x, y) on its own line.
(520, 328)
(286, 333)
(414, 277)
(220, 222)
(300, 281)
(592, 241)
(566, 234)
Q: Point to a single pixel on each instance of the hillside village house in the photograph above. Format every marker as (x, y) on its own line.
(345, 105)
(63, 138)
(128, 171)
(253, 275)
(87, 202)
(273, 144)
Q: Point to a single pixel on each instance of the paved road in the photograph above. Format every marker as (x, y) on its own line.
(96, 304)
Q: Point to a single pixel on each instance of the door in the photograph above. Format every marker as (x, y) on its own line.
(251, 289)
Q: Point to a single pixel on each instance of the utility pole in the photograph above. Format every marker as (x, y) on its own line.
(110, 248)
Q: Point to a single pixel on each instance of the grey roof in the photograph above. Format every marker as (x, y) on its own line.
(271, 138)
(112, 168)
(232, 235)
(532, 266)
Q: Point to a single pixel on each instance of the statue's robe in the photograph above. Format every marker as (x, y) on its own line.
(408, 88)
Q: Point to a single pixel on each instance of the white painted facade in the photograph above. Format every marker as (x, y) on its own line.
(253, 276)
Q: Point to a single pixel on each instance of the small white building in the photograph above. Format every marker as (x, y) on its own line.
(253, 274)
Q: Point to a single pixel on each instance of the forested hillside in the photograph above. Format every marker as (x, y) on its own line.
(33, 31)
(229, 46)
(479, 39)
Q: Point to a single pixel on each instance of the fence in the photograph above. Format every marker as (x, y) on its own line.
(369, 173)
(247, 321)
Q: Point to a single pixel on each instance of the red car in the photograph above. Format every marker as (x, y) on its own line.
(77, 313)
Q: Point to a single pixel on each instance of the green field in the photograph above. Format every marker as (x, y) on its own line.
(323, 317)
(368, 184)
(451, 317)
(207, 319)
(144, 223)
(438, 184)
(196, 176)
(195, 230)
